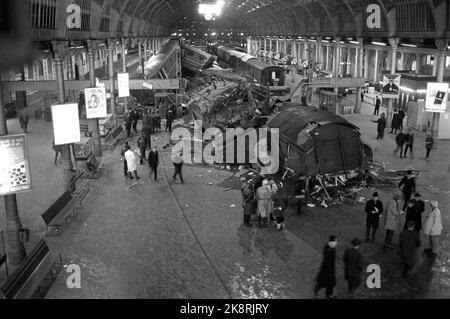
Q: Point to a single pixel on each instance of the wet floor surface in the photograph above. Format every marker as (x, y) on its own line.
(170, 240)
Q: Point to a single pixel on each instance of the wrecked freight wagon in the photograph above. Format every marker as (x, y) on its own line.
(315, 142)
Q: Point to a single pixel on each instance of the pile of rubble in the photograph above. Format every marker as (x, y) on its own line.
(222, 99)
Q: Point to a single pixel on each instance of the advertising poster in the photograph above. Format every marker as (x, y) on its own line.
(437, 96)
(391, 86)
(95, 103)
(15, 176)
(123, 83)
(66, 123)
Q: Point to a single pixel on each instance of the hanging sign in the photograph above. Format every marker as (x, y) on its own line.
(391, 85)
(437, 96)
(95, 103)
(15, 175)
(123, 83)
(66, 123)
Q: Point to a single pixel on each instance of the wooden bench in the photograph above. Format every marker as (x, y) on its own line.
(28, 277)
(59, 211)
(82, 187)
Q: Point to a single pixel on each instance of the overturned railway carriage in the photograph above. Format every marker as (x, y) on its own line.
(195, 60)
(163, 64)
(318, 142)
(270, 77)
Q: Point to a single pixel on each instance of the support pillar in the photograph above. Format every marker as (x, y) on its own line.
(141, 62)
(110, 51)
(124, 69)
(15, 249)
(327, 60)
(21, 96)
(94, 122)
(418, 63)
(394, 42)
(66, 154)
(319, 48)
(375, 68)
(359, 72)
(337, 56)
(440, 68)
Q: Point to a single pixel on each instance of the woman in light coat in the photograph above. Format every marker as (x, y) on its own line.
(263, 196)
(392, 219)
(433, 228)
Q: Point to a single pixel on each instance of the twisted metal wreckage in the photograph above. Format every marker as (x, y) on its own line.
(322, 156)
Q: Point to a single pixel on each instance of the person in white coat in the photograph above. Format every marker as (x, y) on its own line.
(131, 162)
(392, 219)
(433, 228)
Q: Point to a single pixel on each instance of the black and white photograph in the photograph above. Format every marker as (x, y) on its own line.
(225, 158)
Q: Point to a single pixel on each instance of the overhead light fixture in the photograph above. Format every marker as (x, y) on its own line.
(409, 45)
(354, 42)
(379, 43)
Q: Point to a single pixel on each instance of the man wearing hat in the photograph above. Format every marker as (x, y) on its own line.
(408, 187)
(412, 213)
(374, 209)
(353, 266)
(327, 274)
(392, 219)
(420, 206)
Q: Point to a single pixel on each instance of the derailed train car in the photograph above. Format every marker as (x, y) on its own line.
(162, 64)
(270, 77)
(195, 60)
(315, 142)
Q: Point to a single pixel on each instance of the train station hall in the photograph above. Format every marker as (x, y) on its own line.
(225, 149)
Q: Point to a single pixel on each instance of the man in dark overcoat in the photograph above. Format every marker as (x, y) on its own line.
(374, 209)
(353, 266)
(327, 274)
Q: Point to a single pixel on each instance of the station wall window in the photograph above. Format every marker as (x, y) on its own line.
(447, 62)
(430, 60)
(104, 25)
(42, 14)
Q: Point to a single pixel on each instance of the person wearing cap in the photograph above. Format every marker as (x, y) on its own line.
(263, 197)
(433, 229)
(374, 209)
(412, 213)
(408, 187)
(353, 266)
(408, 244)
(392, 219)
(327, 274)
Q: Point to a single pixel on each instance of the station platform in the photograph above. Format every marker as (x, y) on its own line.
(168, 240)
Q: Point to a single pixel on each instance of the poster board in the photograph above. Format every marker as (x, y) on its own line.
(123, 83)
(436, 98)
(95, 102)
(391, 86)
(15, 175)
(66, 123)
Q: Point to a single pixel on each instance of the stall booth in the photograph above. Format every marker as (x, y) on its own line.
(413, 89)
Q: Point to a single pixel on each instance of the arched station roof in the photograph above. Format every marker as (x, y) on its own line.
(132, 18)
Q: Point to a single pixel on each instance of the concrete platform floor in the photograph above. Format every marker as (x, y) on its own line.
(168, 240)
